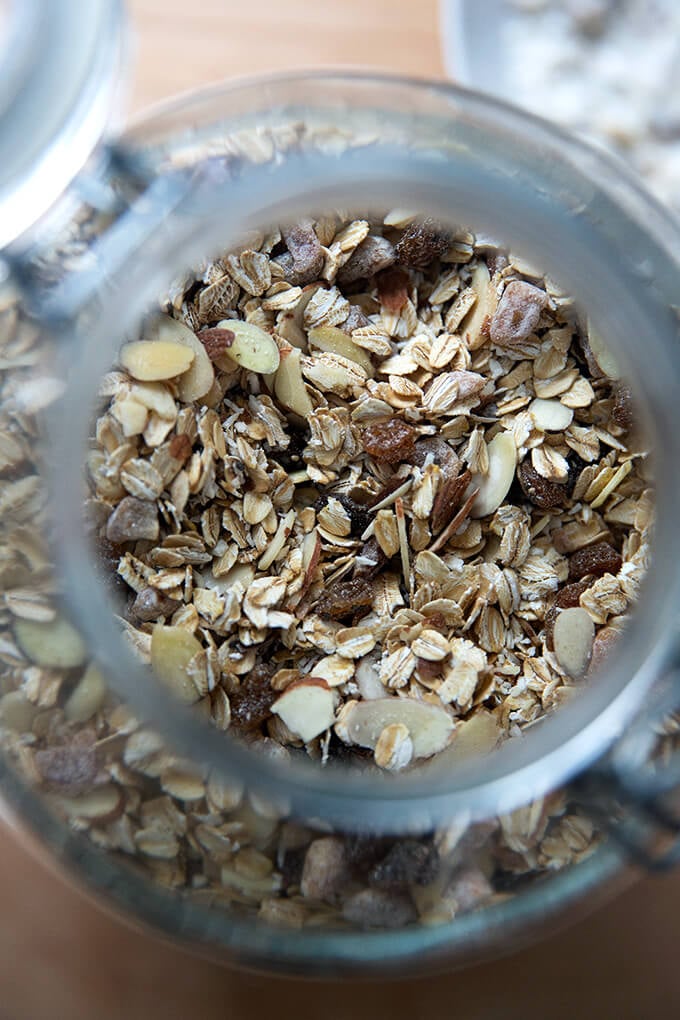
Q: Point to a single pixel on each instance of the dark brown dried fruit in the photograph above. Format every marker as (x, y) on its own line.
(180, 447)
(421, 243)
(359, 515)
(375, 560)
(344, 598)
(306, 253)
(251, 703)
(447, 500)
(409, 862)
(541, 491)
(390, 441)
(70, 768)
(442, 454)
(623, 413)
(133, 519)
(364, 851)
(597, 559)
(518, 313)
(217, 340)
(566, 598)
(393, 288)
(151, 603)
(355, 320)
(369, 258)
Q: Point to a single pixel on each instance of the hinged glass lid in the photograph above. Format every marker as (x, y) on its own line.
(60, 65)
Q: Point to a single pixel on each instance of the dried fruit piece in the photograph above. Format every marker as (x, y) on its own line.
(597, 559)
(335, 341)
(305, 251)
(307, 708)
(180, 447)
(370, 257)
(393, 288)
(421, 243)
(362, 722)
(408, 862)
(390, 441)
(251, 704)
(289, 386)
(151, 603)
(344, 598)
(52, 643)
(573, 635)
(155, 361)
(542, 492)
(518, 313)
(251, 348)
(379, 908)
(87, 696)
(71, 767)
(550, 415)
(495, 484)
(623, 414)
(133, 519)
(325, 871)
(172, 649)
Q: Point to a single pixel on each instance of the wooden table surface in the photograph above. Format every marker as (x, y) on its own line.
(63, 959)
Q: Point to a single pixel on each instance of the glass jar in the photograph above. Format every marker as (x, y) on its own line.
(82, 272)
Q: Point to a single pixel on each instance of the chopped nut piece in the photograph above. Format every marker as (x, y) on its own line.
(305, 251)
(307, 708)
(251, 347)
(217, 341)
(493, 486)
(133, 519)
(518, 313)
(370, 257)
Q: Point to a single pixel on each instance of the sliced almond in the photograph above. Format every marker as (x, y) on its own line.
(603, 356)
(476, 736)
(484, 307)
(550, 415)
(200, 376)
(87, 696)
(131, 415)
(362, 722)
(494, 485)
(307, 708)
(53, 643)
(154, 362)
(156, 397)
(333, 340)
(289, 385)
(172, 649)
(251, 348)
(573, 636)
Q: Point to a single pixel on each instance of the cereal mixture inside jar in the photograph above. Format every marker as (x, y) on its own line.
(370, 484)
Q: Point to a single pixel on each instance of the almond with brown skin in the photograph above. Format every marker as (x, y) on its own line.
(217, 340)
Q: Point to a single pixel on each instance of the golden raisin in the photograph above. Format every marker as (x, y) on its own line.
(345, 598)
(390, 441)
(541, 491)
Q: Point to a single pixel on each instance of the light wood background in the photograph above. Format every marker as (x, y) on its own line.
(63, 959)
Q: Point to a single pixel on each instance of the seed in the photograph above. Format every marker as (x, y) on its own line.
(251, 348)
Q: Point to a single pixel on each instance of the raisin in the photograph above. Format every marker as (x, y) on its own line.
(360, 515)
(376, 558)
(292, 865)
(71, 767)
(566, 598)
(290, 458)
(390, 441)
(409, 862)
(539, 490)
(369, 258)
(306, 254)
(518, 313)
(447, 500)
(597, 559)
(393, 287)
(217, 341)
(622, 408)
(344, 598)
(421, 243)
(364, 852)
(251, 703)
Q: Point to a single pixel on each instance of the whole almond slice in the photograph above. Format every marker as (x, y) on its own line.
(52, 643)
(550, 415)
(251, 348)
(172, 649)
(153, 362)
(573, 636)
(362, 722)
(200, 375)
(332, 340)
(307, 708)
(494, 485)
